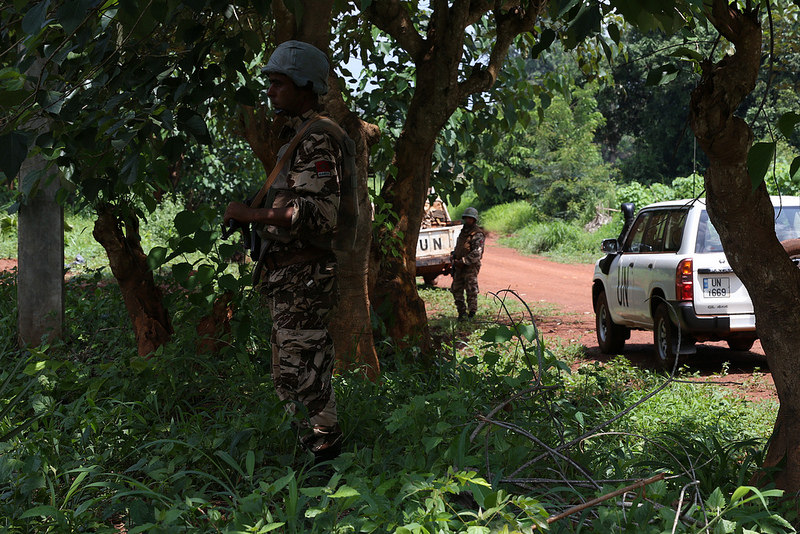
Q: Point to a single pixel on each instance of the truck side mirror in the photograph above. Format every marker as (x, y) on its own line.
(610, 246)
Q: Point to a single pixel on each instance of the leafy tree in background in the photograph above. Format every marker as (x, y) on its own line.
(646, 134)
(560, 168)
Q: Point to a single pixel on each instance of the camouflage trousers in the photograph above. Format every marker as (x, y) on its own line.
(465, 280)
(302, 298)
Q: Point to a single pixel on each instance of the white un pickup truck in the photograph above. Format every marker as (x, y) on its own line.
(667, 273)
(437, 239)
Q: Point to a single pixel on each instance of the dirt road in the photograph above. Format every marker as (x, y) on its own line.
(569, 289)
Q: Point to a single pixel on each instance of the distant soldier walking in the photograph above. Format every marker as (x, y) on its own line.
(466, 264)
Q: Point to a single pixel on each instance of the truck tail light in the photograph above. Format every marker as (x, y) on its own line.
(684, 286)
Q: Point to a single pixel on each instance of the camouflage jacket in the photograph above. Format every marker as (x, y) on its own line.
(469, 246)
(310, 184)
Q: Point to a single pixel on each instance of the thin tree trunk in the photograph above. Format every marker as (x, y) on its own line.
(744, 218)
(142, 297)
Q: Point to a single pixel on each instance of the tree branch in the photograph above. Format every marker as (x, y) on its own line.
(510, 22)
(391, 17)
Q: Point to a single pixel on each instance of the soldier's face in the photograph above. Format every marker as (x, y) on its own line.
(285, 96)
(468, 221)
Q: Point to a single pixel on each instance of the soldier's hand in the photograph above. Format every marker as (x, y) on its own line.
(238, 211)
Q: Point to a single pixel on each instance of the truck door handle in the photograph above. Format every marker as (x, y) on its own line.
(650, 266)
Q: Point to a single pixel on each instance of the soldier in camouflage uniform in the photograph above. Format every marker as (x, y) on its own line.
(467, 264)
(299, 273)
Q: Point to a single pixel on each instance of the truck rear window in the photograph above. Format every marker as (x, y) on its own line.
(787, 226)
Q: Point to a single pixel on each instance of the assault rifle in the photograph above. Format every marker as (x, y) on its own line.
(250, 238)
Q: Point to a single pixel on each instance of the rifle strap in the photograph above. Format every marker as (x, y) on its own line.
(256, 202)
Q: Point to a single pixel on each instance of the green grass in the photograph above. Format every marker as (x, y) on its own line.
(94, 438)
(509, 218)
(156, 230)
(560, 241)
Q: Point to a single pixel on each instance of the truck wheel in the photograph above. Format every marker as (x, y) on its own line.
(429, 278)
(610, 336)
(741, 345)
(665, 337)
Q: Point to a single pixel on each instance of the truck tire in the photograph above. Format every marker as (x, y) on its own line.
(429, 278)
(610, 336)
(665, 337)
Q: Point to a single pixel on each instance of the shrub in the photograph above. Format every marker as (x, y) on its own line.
(642, 195)
(508, 218)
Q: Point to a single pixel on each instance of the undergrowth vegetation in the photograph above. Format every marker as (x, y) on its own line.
(504, 431)
(498, 435)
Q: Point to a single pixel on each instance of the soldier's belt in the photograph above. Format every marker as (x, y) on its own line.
(290, 257)
(277, 260)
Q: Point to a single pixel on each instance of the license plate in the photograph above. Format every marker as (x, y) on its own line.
(717, 287)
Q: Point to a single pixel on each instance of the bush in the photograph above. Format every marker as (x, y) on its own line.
(508, 218)
(691, 186)
(642, 195)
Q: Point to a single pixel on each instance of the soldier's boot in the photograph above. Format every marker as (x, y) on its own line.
(324, 442)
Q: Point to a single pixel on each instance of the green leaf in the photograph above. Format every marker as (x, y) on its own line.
(41, 511)
(545, 40)
(71, 14)
(15, 150)
(661, 75)
(688, 53)
(499, 334)
(490, 358)
(344, 492)
(758, 161)
(794, 167)
(192, 123)
(245, 96)
(716, 501)
(250, 463)
(181, 271)
(787, 123)
(156, 257)
(205, 273)
(34, 19)
(431, 443)
(528, 331)
(187, 222)
(740, 492)
(613, 32)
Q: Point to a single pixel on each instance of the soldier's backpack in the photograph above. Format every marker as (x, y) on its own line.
(344, 239)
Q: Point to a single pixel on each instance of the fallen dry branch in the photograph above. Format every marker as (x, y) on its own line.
(603, 498)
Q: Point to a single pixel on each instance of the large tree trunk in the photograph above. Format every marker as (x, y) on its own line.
(439, 90)
(393, 287)
(744, 218)
(142, 297)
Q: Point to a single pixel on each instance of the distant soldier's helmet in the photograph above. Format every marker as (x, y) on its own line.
(470, 212)
(302, 63)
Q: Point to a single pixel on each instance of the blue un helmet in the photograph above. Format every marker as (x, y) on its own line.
(302, 63)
